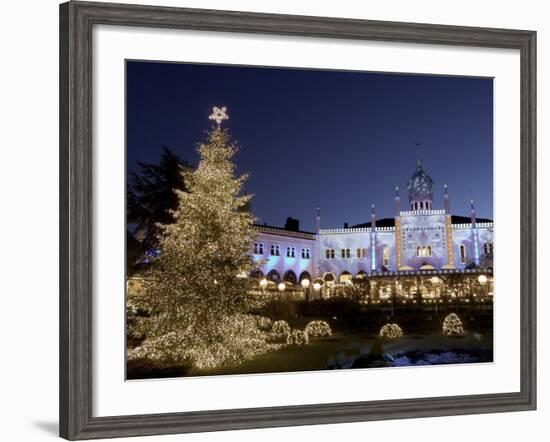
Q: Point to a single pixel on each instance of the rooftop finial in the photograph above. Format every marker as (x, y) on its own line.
(418, 154)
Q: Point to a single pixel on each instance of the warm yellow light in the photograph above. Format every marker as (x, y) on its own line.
(435, 280)
(316, 286)
(281, 286)
(482, 279)
(263, 283)
(305, 283)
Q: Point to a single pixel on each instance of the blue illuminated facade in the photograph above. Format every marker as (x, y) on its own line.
(418, 239)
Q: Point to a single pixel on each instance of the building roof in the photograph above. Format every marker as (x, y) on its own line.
(285, 232)
(390, 222)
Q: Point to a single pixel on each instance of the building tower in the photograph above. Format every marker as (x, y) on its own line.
(316, 249)
(318, 220)
(475, 236)
(446, 205)
(373, 238)
(397, 201)
(448, 229)
(398, 239)
(420, 187)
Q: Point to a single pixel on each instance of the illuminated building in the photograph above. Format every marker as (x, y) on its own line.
(421, 239)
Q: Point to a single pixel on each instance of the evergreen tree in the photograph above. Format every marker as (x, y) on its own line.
(151, 196)
(197, 294)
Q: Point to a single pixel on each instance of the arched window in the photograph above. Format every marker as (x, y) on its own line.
(275, 249)
(345, 277)
(273, 275)
(291, 252)
(304, 275)
(329, 253)
(418, 251)
(462, 253)
(386, 257)
(488, 248)
(361, 253)
(290, 276)
(421, 205)
(429, 250)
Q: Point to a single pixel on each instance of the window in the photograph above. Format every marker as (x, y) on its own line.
(345, 253)
(429, 250)
(258, 248)
(386, 257)
(361, 253)
(291, 252)
(306, 254)
(488, 248)
(418, 250)
(329, 253)
(462, 253)
(421, 205)
(275, 249)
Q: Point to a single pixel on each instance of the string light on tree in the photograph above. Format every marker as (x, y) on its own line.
(196, 294)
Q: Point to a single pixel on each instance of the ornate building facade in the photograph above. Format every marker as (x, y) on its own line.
(420, 239)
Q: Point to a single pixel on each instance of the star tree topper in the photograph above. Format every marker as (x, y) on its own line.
(219, 115)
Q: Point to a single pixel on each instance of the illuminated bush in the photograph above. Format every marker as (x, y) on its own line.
(318, 328)
(264, 323)
(280, 330)
(391, 331)
(297, 337)
(452, 325)
(234, 339)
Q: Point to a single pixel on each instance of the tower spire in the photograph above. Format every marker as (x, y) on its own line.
(446, 200)
(473, 213)
(397, 201)
(318, 218)
(418, 154)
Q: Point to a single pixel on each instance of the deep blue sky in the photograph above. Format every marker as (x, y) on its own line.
(344, 139)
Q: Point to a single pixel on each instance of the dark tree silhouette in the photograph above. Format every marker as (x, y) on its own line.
(151, 196)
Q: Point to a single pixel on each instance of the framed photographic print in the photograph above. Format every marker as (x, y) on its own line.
(272, 220)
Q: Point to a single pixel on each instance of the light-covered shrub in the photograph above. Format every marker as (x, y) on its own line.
(230, 341)
(264, 323)
(280, 329)
(391, 331)
(318, 328)
(297, 337)
(452, 325)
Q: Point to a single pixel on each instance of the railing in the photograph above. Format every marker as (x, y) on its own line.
(356, 230)
(469, 225)
(422, 212)
(277, 231)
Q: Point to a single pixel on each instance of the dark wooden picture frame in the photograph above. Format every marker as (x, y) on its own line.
(76, 243)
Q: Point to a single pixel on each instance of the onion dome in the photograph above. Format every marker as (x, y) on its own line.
(420, 187)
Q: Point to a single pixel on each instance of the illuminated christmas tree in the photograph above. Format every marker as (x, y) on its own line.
(198, 292)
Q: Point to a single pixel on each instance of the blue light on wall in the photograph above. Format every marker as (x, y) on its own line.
(373, 251)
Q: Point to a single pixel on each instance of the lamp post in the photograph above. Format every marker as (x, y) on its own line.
(263, 285)
(317, 288)
(435, 282)
(281, 288)
(305, 285)
(482, 279)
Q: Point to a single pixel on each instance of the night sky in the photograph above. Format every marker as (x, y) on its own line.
(341, 139)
